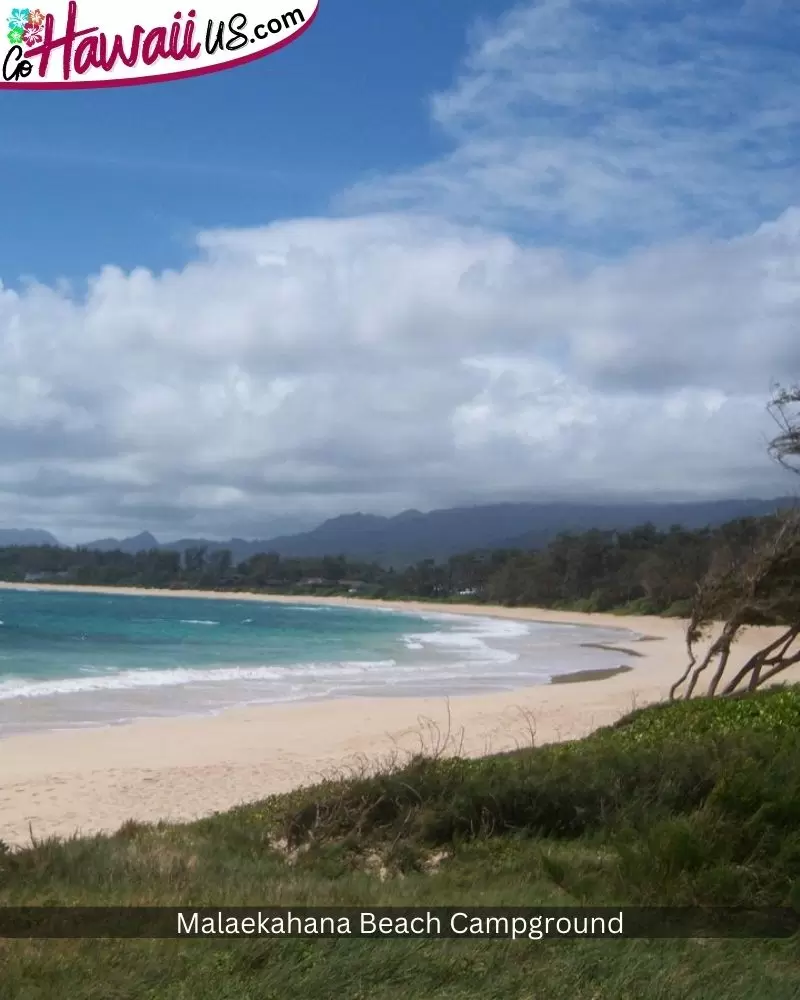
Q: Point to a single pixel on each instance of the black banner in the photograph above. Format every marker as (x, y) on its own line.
(500, 923)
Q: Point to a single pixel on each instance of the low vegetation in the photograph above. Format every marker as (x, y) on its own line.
(686, 803)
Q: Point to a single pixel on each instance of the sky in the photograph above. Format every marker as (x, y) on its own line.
(428, 254)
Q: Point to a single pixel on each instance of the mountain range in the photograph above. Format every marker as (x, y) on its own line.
(26, 536)
(414, 535)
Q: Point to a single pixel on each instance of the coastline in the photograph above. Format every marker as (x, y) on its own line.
(93, 780)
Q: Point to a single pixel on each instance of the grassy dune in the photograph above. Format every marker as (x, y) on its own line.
(678, 804)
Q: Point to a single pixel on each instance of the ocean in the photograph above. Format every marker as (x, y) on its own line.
(85, 659)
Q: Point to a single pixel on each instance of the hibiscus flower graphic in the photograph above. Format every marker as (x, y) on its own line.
(36, 18)
(15, 36)
(19, 18)
(33, 34)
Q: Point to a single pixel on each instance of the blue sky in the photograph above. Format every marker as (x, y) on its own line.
(425, 255)
(128, 176)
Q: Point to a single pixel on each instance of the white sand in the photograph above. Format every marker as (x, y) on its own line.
(180, 769)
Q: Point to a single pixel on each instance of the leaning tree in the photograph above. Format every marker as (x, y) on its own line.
(759, 586)
(785, 411)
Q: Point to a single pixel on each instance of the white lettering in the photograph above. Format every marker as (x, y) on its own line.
(191, 926)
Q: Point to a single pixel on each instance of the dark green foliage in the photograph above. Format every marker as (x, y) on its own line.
(641, 571)
(774, 711)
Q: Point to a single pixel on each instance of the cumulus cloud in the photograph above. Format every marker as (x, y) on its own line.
(425, 355)
(328, 365)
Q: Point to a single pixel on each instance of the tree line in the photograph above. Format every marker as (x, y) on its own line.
(643, 570)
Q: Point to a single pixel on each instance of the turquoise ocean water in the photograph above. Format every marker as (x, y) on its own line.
(77, 659)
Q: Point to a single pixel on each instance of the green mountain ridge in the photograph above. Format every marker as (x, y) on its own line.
(412, 535)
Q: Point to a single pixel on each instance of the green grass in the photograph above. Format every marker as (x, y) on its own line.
(678, 804)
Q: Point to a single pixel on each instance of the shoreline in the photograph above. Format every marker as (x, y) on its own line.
(61, 708)
(603, 619)
(629, 623)
(182, 768)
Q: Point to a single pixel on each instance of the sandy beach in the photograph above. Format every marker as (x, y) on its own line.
(60, 783)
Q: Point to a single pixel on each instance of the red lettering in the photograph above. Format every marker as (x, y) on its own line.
(86, 55)
(107, 60)
(192, 51)
(155, 46)
(175, 51)
(67, 40)
(174, 31)
(93, 52)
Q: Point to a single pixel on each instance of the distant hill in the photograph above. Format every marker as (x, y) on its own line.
(26, 536)
(142, 542)
(412, 535)
(438, 534)
(625, 516)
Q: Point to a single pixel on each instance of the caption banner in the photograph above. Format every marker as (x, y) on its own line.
(501, 923)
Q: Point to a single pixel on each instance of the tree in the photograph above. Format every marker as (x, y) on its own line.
(194, 561)
(758, 584)
(785, 411)
(759, 587)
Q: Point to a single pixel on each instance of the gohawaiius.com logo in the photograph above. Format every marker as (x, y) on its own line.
(95, 43)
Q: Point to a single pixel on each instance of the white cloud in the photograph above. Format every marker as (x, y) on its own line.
(378, 363)
(610, 122)
(405, 358)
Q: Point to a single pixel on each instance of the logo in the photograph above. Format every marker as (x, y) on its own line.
(93, 43)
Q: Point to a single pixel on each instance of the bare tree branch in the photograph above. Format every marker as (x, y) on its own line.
(760, 586)
(784, 408)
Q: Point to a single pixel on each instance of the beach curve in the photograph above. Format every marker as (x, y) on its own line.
(176, 769)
